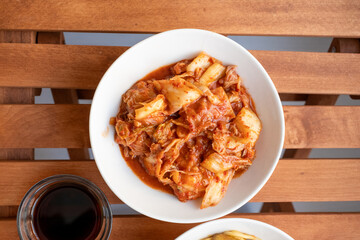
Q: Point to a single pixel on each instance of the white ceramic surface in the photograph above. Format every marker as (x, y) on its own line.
(261, 230)
(148, 55)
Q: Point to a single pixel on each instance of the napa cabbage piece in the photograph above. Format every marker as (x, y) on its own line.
(231, 235)
(226, 105)
(156, 105)
(141, 92)
(135, 138)
(236, 235)
(187, 185)
(217, 188)
(164, 132)
(233, 96)
(248, 124)
(204, 114)
(167, 156)
(178, 92)
(216, 163)
(207, 92)
(226, 144)
(202, 61)
(212, 74)
(231, 78)
(149, 162)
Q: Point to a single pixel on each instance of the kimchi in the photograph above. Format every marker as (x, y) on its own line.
(192, 127)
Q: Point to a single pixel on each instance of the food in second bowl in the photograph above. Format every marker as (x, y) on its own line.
(191, 125)
(231, 235)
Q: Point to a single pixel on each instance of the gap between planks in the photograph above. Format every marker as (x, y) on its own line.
(82, 67)
(304, 226)
(302, 180)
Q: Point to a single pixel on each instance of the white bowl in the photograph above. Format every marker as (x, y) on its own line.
(249, 226)
(148, 55)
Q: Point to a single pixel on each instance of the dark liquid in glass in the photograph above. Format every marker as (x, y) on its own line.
(67, 212)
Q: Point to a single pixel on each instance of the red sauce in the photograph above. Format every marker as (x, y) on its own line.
(139, 171)
(163, 73)
(160, 73)
(239, 172)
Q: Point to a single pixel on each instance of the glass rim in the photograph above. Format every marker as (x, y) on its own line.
(59, 178)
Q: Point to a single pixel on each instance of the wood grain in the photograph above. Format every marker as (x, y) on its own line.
(69, 96)
(322, 127)
(299, 226)
(16, 96)
(311, 72)
(274, 17)
(66, 126)
(345, 45)
(17, 37)
(50, 38)
(9, 95)
(304, 226)
(292, 180)
(277, 207)
(315, 99)
(81, 67)
(44, 126)
(63, 96)
(55, 66)
(337, 45)
(21, 175)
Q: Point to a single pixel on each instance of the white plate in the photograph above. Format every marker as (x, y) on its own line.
(261, 230)
(148, 55)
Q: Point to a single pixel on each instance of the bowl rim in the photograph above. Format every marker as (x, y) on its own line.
(278, 105)
(231, 220)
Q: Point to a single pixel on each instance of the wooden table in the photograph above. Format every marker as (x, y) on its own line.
(33, 56)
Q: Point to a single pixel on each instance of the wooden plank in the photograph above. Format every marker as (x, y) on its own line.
(67, 66)
(313, 180)
(16, 96)
(85, 94)
(293, 180)
(337, 45)
(355, 97)
(322, 127)
(66, 126)
(345, 45)
(293, 97)
(50, 38)
(277, 207)
(63, 96)
(311, 72)
(299, 226)
(16, 153)
(297, 153)
(69, 96)
(44, 126)
(17, 36)
(275, 17)
(21, 175)
(81, 67)
(315, 99)
(304, 226)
